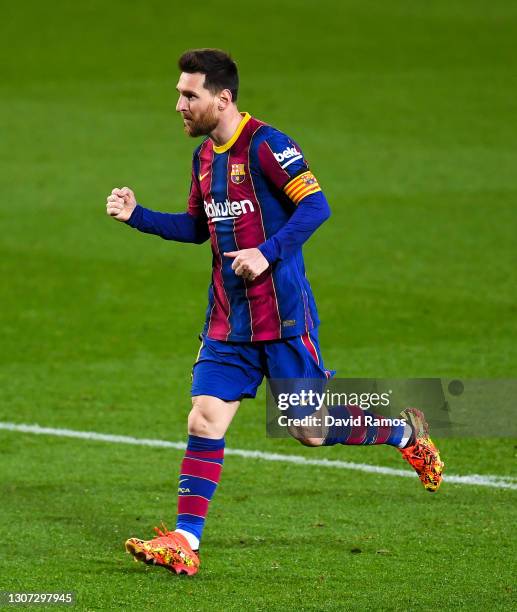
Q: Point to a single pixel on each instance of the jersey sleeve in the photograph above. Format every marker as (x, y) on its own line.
(284, 165)
(189, 226)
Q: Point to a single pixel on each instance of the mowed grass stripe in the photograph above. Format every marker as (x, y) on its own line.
(484, 480)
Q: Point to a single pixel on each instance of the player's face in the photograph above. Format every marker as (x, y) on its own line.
(196, 104)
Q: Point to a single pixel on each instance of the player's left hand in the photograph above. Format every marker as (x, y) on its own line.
(248, 263)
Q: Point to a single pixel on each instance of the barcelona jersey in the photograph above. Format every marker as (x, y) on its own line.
(247, 190)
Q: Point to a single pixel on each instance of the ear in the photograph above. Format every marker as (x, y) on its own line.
(225, 99)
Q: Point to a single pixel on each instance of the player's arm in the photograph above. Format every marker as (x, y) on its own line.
(181, 227)
(311, 212)
(284, 165)
(190, 226)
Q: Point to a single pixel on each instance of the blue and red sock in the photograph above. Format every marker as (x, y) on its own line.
(364, 428)
(199, 476)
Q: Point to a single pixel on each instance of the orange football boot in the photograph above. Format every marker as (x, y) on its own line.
(422, 456)
(169, 549)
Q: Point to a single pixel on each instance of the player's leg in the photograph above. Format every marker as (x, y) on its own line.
(223, 374)
(294, 360)
(210, 416)
(200, 473)
(300, 358)
(202, 464)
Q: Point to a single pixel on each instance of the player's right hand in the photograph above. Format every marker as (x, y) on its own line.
(121, 203)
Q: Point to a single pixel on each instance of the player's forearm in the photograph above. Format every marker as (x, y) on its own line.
(181, 227)
(309, 215)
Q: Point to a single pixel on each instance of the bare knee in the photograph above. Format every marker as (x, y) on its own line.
(305, 437)
(198, 424)
(311, 441)
(210, 416)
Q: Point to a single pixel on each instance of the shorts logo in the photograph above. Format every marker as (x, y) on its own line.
(288, 156)
(238, 173)
(220, 211)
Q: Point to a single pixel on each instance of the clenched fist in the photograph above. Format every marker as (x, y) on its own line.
(121, 203)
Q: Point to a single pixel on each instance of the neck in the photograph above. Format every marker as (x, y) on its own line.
(226, 127)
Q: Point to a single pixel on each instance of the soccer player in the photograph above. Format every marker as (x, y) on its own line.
(254, 197)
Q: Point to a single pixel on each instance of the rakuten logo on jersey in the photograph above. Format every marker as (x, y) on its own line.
(219, 211)
(288, 155)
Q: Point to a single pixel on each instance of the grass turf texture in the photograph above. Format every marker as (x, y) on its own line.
(406, 114)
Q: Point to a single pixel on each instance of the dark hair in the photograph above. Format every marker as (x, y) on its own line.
(218, 67)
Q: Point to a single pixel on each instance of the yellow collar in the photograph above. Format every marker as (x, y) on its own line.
(245, 118)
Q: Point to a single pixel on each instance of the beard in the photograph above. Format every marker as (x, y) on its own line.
(203, 125)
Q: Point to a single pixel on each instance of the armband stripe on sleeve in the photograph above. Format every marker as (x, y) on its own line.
(301, 186)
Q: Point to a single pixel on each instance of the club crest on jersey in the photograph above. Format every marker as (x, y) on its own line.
(238, 173)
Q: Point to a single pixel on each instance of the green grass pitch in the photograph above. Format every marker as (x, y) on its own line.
(406, 111)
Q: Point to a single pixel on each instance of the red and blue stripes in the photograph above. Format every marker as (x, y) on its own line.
(239, 190)
(353, 428)
(199, 476)
(240, 309)
(249, 232)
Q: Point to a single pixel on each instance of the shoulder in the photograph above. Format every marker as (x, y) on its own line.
(264, 132)
(267, 141)
(278, 144)
(278, 155)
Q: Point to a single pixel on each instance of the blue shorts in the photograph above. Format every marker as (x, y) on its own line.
(234, 370)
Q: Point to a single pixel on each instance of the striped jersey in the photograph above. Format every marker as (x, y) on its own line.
(247, 190)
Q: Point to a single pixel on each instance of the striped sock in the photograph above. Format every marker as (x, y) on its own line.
(363, 430)
(199, 477)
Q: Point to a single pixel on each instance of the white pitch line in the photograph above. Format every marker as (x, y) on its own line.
(484, 480)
